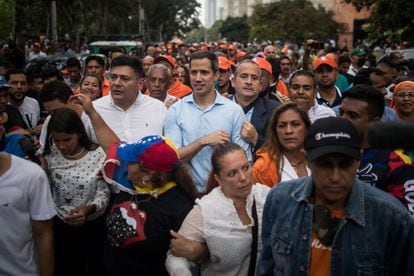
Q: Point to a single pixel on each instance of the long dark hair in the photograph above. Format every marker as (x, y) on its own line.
(272, 144)
(216, 166)
(181, 176)
(66, 120)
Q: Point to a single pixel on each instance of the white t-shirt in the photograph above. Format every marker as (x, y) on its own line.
(30, 111)
(24, 196)
(144, 117)
(75, 183)
(34, 55)
(318, 111)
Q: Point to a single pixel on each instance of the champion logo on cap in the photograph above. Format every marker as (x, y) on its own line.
(322, 135)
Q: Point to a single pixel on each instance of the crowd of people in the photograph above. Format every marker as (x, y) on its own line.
(207, 159)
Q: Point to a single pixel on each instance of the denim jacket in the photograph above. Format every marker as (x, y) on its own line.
(376, 236)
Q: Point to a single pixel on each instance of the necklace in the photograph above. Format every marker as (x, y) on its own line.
(296, 164)
(76, 155)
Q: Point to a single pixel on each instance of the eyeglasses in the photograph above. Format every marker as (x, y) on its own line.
(222, 72)
(409, 95)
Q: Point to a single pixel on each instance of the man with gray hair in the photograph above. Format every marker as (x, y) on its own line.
(159, 80)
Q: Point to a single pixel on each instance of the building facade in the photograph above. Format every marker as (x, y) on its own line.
(343, 13)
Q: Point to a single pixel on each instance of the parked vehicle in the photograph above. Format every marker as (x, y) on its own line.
(103, 47)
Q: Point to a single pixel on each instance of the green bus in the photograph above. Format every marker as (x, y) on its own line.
(103, 47)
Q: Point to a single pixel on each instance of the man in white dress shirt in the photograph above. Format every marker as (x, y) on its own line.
(129, 113)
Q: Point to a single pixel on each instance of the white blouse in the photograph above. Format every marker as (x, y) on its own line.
(214, 220)
(288, 172)
(75, 183)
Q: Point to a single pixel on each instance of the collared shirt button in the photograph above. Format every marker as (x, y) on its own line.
(302, 268)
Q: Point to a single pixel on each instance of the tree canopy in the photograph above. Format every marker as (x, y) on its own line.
(389, 19)
(292, 19)
(235, 29)
(163, 19)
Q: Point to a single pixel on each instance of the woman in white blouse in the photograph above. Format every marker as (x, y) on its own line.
(218, 232)
(80, 195)
(282, 156)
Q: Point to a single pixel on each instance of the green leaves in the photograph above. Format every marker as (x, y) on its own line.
(292, 19)
(163, 19)
(391, 19)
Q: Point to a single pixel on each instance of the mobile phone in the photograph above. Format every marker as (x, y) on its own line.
(28, 149)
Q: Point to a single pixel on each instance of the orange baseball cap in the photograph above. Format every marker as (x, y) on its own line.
(325, 60)
(240, 54)
(223, 46)
(263, 64)
(224, 63)
(167, 58)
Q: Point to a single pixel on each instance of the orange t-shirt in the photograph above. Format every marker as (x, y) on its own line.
(179, 89)
(320, 261)
(282, 88)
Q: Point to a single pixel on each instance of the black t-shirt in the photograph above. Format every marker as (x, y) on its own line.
(138, 231)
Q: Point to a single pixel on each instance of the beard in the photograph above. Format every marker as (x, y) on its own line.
(16, 99)
(326, 85)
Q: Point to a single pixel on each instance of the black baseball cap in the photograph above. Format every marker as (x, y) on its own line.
(332, 135)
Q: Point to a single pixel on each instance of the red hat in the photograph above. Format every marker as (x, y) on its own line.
(166, 58)
(224, 63)
(36, 44)
(263, 64)
(156, 153)
(325, 60)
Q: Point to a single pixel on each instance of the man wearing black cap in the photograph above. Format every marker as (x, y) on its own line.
(330, 223)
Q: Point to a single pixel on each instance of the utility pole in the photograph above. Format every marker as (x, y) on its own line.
(141, 14)
(12, 35)
(54, 20)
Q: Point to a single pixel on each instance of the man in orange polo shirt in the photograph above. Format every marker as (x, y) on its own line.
(177, 89)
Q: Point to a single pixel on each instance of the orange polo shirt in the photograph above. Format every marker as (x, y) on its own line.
(179, 89)
(282, 88)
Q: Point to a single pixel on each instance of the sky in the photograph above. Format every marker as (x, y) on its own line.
(201, 11)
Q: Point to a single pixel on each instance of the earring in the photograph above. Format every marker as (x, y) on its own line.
(143, 181)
